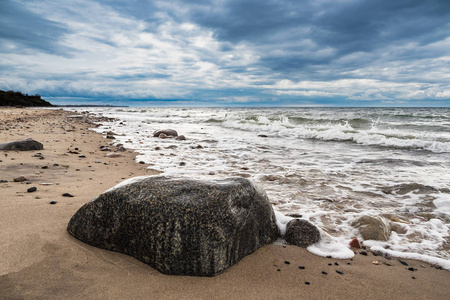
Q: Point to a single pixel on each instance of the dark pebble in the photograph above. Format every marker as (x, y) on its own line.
(142, 162)
(402, 262)
(32, 189)
(411, 269)
(3, 181)
(278, 270)
(413, 277)
(349, 263)
(330, 264)
(67, 195)
(82, 156)
(325, 273)
(363, 253)
(41, 157)
(56, 165)
(286, 262)
(182, 163)
(301, 267)
(336, 264)
(307, 282)
(53, 202)
(44, 167)
(339, 272)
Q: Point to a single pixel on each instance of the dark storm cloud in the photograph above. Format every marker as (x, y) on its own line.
(347, 27)
(22, 30)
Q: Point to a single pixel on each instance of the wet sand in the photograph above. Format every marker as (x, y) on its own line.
(40, 260)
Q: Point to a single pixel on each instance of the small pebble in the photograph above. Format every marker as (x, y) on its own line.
(363, 253)
(307, 282)
(325, 273)
(411, 269)
(32, 189)
(287, 262)
(336, 264)
(53, 202)
(330, 264)
(278, 270)
(339, 272)
(67, 195)
(301, 267)
(413, 277)
(402, 262)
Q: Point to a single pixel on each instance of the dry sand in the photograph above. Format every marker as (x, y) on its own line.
(40, 260)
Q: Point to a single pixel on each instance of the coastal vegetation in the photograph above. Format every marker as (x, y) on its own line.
(12, 98)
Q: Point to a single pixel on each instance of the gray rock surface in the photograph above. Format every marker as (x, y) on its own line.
(23, 145)
(167, 132)
(301, 233)
(179, 226)
(373, 227)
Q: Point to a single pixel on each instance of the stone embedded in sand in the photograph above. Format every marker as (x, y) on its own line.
(373, 228)
(23, 145)
(301, 233)
(180, 138)
(179, 226)
(167, 132)
(20, 179)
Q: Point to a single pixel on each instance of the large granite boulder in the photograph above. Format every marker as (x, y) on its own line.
(23, 145)
(179, 226)
(301, 233)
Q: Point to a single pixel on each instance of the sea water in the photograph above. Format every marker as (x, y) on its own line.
(327, 165)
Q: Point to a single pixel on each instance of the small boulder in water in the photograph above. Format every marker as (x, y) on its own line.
(167, 132)
(301, 233)
(373, 228)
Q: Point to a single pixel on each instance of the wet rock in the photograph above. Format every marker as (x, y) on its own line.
(262, 135)
(121, 149)
(23, 145)
(179, 226)
(32, 189)
(20, 179)
(355, 243)
(167, 132)
(301, 233)
(110, 137)
(373, 228)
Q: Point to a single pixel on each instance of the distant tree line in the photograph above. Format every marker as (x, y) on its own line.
(12, 98)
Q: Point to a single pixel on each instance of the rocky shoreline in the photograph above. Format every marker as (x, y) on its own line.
(40, 260)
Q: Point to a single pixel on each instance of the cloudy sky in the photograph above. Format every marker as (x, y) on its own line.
(228, 52)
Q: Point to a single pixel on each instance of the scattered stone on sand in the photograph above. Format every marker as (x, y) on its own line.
(262, 135)
(67, 195)
(167, 132)
(110, 137)
(181, 138)
(32, 189)
(53, 202)
(20, 179)
(373, 227)
(355, 243)
(301, 233)
(340, 272)
(403, 262)
(142, 162)
(162, 136)
(113, 155)
(105, 148)
(24, 145)
(198, 228)
(3, 181)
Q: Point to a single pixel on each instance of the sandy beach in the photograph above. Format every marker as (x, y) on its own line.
(40, 260)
